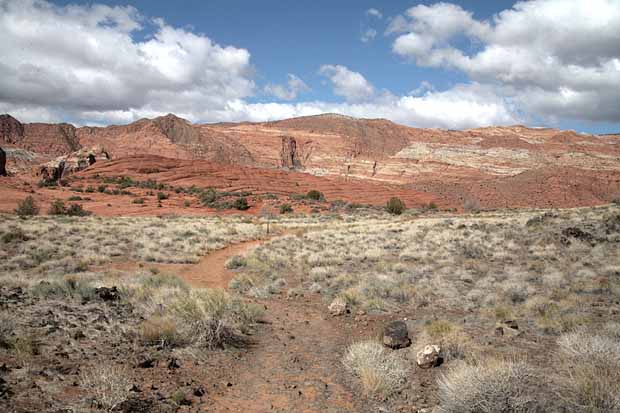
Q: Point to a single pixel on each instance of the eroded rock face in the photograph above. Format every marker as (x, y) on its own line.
(289, 155)
(2, 162)
(396, 335)
(429, 356)
(54, 171)
(11, 130)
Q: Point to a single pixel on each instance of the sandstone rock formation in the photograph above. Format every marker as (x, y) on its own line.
(54, 170)
(11, 130)
(288, 153)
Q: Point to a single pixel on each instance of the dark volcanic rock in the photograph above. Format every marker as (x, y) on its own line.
(396, 335)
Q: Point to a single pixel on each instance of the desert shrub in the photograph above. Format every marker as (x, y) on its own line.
(212, 318)
(315, 195)
(89, 189)
(138, 201)
(7, 328)
(589, 372)
(75, 198)
(159, 331)
(235, 262)
(432, 206)
(491, 386)
(76, 210)
(27, 207)
(102, 188)
(208, 196)
(395, 206)
(108, 384)
(66, 288)
(286, 208)
(57, 208)
(381, 371)
(186, 203)
(14, 234)
(161, 196)
(241, 204)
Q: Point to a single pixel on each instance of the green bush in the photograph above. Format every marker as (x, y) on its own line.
(241, 204)
(102, 188)
(161, 196)
(57, 208)
(76, 210)
(395, 206)
(286, 208)
(27, 207)
(315, 195)
(138, 201)
(208, 196)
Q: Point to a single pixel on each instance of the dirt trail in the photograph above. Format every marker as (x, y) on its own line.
(294, 365)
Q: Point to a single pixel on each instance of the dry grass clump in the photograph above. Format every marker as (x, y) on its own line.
(381, 372)
(159, 331)
(589, 366)
(108, 384)
(212, 318)
(492, 386)
(7, 328)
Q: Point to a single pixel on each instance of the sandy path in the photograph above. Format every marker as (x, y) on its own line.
(294, 365)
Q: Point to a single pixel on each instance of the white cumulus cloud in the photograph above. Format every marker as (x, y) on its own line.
(555, 58)
(374, 13)
(349, 84)
(294, 86)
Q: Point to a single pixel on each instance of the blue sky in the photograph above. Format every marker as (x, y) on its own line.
(454, 65)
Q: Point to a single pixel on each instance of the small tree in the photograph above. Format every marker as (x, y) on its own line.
(27, 207)
(395, 206)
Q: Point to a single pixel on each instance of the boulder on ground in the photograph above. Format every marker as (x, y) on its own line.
(338, 307)
(396, 335)
(429, 356)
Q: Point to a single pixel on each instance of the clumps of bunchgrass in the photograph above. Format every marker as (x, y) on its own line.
(159, 331)
(212, 318)
(108, 384)
(589, 371)
(492, 386)
(381, 372)
(454, 342)
(70, 287)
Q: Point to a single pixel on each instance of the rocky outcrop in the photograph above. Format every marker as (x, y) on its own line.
(11, 130)
(2, 162)
(55, 170)
(289, 156)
